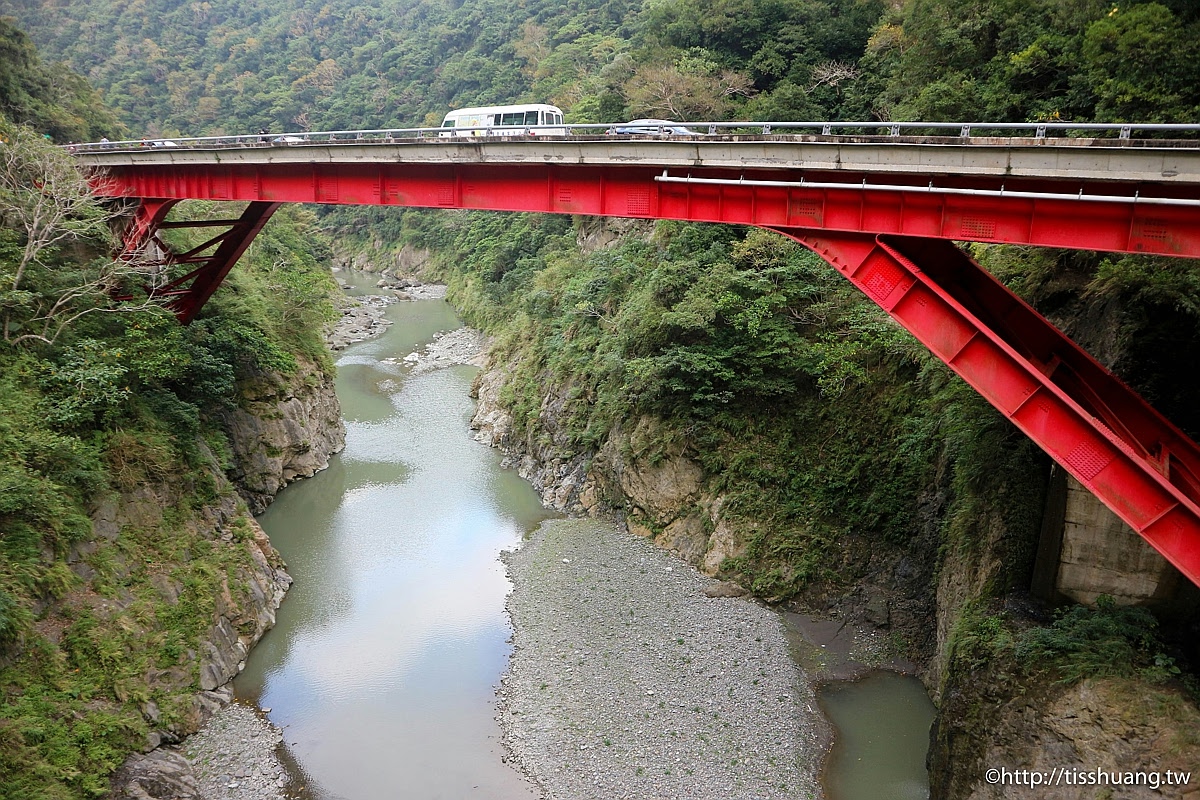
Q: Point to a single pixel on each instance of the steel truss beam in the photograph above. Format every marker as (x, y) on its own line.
(1126, 453)
(1116, 217)
(213, 258)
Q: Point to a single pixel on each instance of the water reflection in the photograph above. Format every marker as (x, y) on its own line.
(382, 666)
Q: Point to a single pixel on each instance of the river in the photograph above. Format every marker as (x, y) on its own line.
(383, 664)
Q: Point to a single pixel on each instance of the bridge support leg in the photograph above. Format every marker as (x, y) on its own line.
(1126, 453)
(213, 258)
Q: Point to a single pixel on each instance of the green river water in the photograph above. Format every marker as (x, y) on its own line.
(383, 664)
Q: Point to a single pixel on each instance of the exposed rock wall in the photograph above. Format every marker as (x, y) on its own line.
(1113, 725)
(923, 590)
(665, 498)
(284, 429)
(249, 591)
(281, 430)
(380, 258)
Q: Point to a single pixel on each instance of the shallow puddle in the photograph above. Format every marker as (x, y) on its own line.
(882, 736)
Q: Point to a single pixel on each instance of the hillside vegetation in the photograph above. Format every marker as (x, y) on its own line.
(234, 65)
(848, 458)
(119, 531)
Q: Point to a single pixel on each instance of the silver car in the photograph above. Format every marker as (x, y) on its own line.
(651, 127)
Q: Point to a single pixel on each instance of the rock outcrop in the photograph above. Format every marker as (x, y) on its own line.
(661, 495)
(162, 773)
(1132, 733)
(282, 429)
(381, 259)
(920, 590)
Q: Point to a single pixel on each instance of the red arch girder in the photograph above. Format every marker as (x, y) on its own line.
(147, 218)
(1137, 225)
(1126, 453)
(213, 259)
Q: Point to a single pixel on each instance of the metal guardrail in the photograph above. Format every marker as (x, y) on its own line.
(963, 130)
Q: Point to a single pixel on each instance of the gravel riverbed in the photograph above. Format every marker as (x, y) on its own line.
(233, 757)
(627, 681)
(459, 346)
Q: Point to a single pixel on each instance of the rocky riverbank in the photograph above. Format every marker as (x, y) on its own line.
(629, 680)
(362, 315)
(459, 346)
(362, 318)
(234, 757)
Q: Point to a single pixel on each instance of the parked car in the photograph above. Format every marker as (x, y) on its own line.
(651, 127)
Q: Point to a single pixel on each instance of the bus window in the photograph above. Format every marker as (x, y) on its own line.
(531, 118)
(449, 123)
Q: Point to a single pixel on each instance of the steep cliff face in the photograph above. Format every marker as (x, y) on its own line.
(237, 605)
(281, 430)
(378, 256)
(664, 497)
(938, 592)
(1133, 733)
(221, 577)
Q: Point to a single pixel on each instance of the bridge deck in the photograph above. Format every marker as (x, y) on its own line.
(1159, 163)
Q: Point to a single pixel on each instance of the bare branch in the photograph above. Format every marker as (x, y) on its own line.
(832, 73)
(47, 200)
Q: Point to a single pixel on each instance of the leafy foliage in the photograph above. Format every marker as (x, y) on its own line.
(1012, 61)
(49, 99)
(94, 406)
(1105, 641)
(813, 413)
(50, 219)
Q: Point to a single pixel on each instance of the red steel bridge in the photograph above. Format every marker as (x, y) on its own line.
(884, 210)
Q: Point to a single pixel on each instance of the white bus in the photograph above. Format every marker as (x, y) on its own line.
(535, 119)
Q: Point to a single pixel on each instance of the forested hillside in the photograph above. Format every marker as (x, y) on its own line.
(48, 98)
(119, 526)
(223, 66)
(721, 345)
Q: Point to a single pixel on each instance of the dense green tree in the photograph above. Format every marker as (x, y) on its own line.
(1143, 65)
(1014, 61)
(49, 99)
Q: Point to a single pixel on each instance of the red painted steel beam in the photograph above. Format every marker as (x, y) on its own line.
(192, 290)
(1135, 225)
(230, 249)
(147, 218)
(1126, 453)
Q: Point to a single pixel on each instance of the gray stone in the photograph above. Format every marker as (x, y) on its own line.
(163, 774)
(724, 589)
